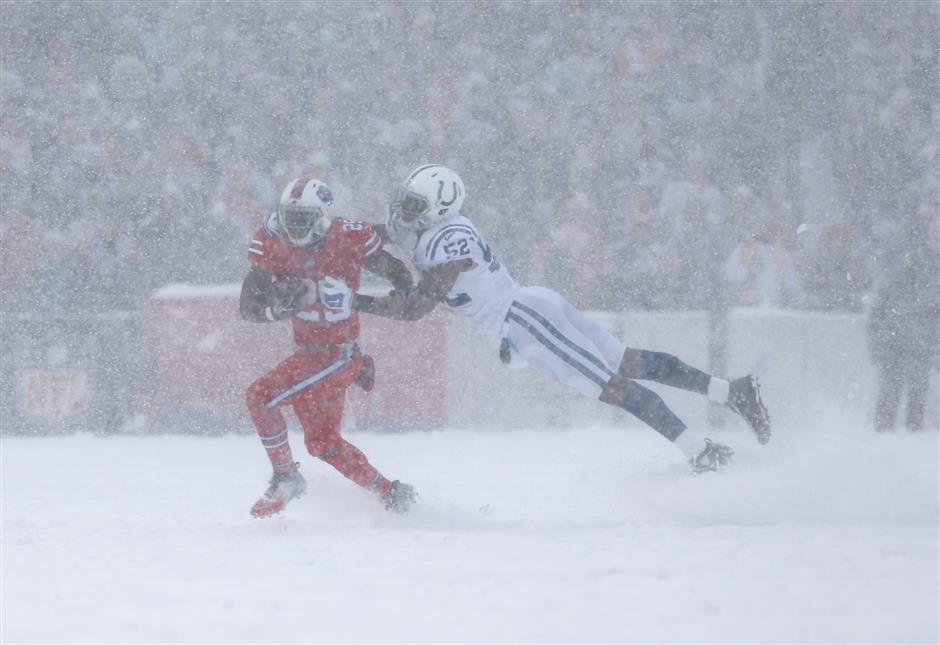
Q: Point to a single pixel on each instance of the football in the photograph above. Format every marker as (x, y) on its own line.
(287, 288)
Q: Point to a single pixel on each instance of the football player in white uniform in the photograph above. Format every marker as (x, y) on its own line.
(537, 326)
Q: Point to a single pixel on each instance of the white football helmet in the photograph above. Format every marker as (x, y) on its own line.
(429, 195)
(304, 213)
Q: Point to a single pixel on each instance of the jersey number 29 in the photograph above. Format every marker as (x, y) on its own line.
(335, 306)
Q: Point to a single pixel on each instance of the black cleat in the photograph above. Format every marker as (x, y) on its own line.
(744, 398)
(399, 497)
(714, 458)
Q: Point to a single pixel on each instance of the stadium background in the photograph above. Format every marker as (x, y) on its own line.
(627, 154)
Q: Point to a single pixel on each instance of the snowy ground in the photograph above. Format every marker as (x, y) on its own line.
(829, 534)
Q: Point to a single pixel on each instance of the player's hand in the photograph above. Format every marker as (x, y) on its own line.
(335, 294)
(284, 309)
(289, 288)
(289, 299)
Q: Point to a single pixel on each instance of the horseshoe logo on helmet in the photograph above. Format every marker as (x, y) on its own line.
(440, 190)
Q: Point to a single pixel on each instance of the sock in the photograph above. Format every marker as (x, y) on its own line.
(271, 427)
(690, 443)
(669, 370)
(278, 450)
(718, 389)
(647, 406)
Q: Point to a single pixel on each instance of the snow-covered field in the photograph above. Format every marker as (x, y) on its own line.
(829, 534)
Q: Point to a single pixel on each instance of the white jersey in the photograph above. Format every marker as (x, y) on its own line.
(483, 293)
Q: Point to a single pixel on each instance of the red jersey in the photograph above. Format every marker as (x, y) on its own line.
(340, 255)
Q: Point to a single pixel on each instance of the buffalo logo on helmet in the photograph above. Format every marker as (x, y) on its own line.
(324, 194)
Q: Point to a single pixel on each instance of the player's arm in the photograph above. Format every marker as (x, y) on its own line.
(386, 265)
(418, 302)
(266, 298)
(255, 295)
(382, 231)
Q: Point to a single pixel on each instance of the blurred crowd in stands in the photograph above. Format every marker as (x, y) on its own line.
(633, 156)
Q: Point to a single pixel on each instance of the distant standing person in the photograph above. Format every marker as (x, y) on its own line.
(904, 335)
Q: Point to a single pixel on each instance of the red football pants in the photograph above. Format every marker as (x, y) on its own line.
(314, 383)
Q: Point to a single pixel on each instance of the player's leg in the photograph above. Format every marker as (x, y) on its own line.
(661, 367)
(554, 336)
(667, 369)
(321, 421)
(917, 379)
(267, 417)
(610, 347)
(539, 330)
(889, 396)
(291, 378)
(741, 395)
(649, 407)
(320, 412)
(325, 442)
(646, 365)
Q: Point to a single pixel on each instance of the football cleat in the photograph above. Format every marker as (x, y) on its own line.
(744, 398)
(399, 497)
(714, 458)
(282, 488)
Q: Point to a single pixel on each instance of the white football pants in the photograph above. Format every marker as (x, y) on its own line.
(547, 332)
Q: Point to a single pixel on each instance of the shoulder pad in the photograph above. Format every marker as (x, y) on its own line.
(359, 234)
(262, 249)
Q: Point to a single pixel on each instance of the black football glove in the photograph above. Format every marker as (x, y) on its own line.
(289, 295)
(282, 310)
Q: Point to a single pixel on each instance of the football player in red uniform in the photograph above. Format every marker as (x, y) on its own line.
(305, 267)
